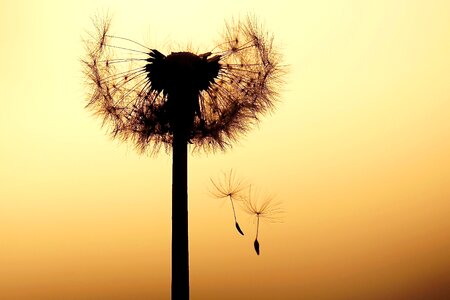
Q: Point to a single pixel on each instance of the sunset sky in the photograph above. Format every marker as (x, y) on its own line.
(358, 151)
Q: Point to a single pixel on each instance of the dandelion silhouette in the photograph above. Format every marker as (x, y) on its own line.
(228, 186)
(262, 208)
(157, 100)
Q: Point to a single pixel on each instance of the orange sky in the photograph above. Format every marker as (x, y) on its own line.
(358, 151)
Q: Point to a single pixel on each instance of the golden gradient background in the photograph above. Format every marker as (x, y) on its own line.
(358, 151)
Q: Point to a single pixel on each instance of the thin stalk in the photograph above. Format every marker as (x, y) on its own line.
(235, 218)
(180, 243)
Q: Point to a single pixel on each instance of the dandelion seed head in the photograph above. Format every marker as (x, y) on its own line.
(228, 185)
(144, 95)
(262, 206)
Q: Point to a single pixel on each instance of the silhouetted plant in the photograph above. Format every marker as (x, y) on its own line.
(228, 186)
(262, 208)
(156, 100)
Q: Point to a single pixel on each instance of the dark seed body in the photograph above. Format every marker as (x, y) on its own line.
(239, 229)
(256, 245)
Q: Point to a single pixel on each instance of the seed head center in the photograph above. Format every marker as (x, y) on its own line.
(182, 72)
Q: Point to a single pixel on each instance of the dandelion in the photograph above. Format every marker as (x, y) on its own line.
(262, 209)
(157, 100)
(228, 186)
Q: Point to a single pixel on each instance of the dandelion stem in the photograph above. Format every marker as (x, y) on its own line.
(180, 243)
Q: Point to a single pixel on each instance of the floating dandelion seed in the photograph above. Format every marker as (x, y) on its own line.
(228, 186)
(262, 209)
(157, 100)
